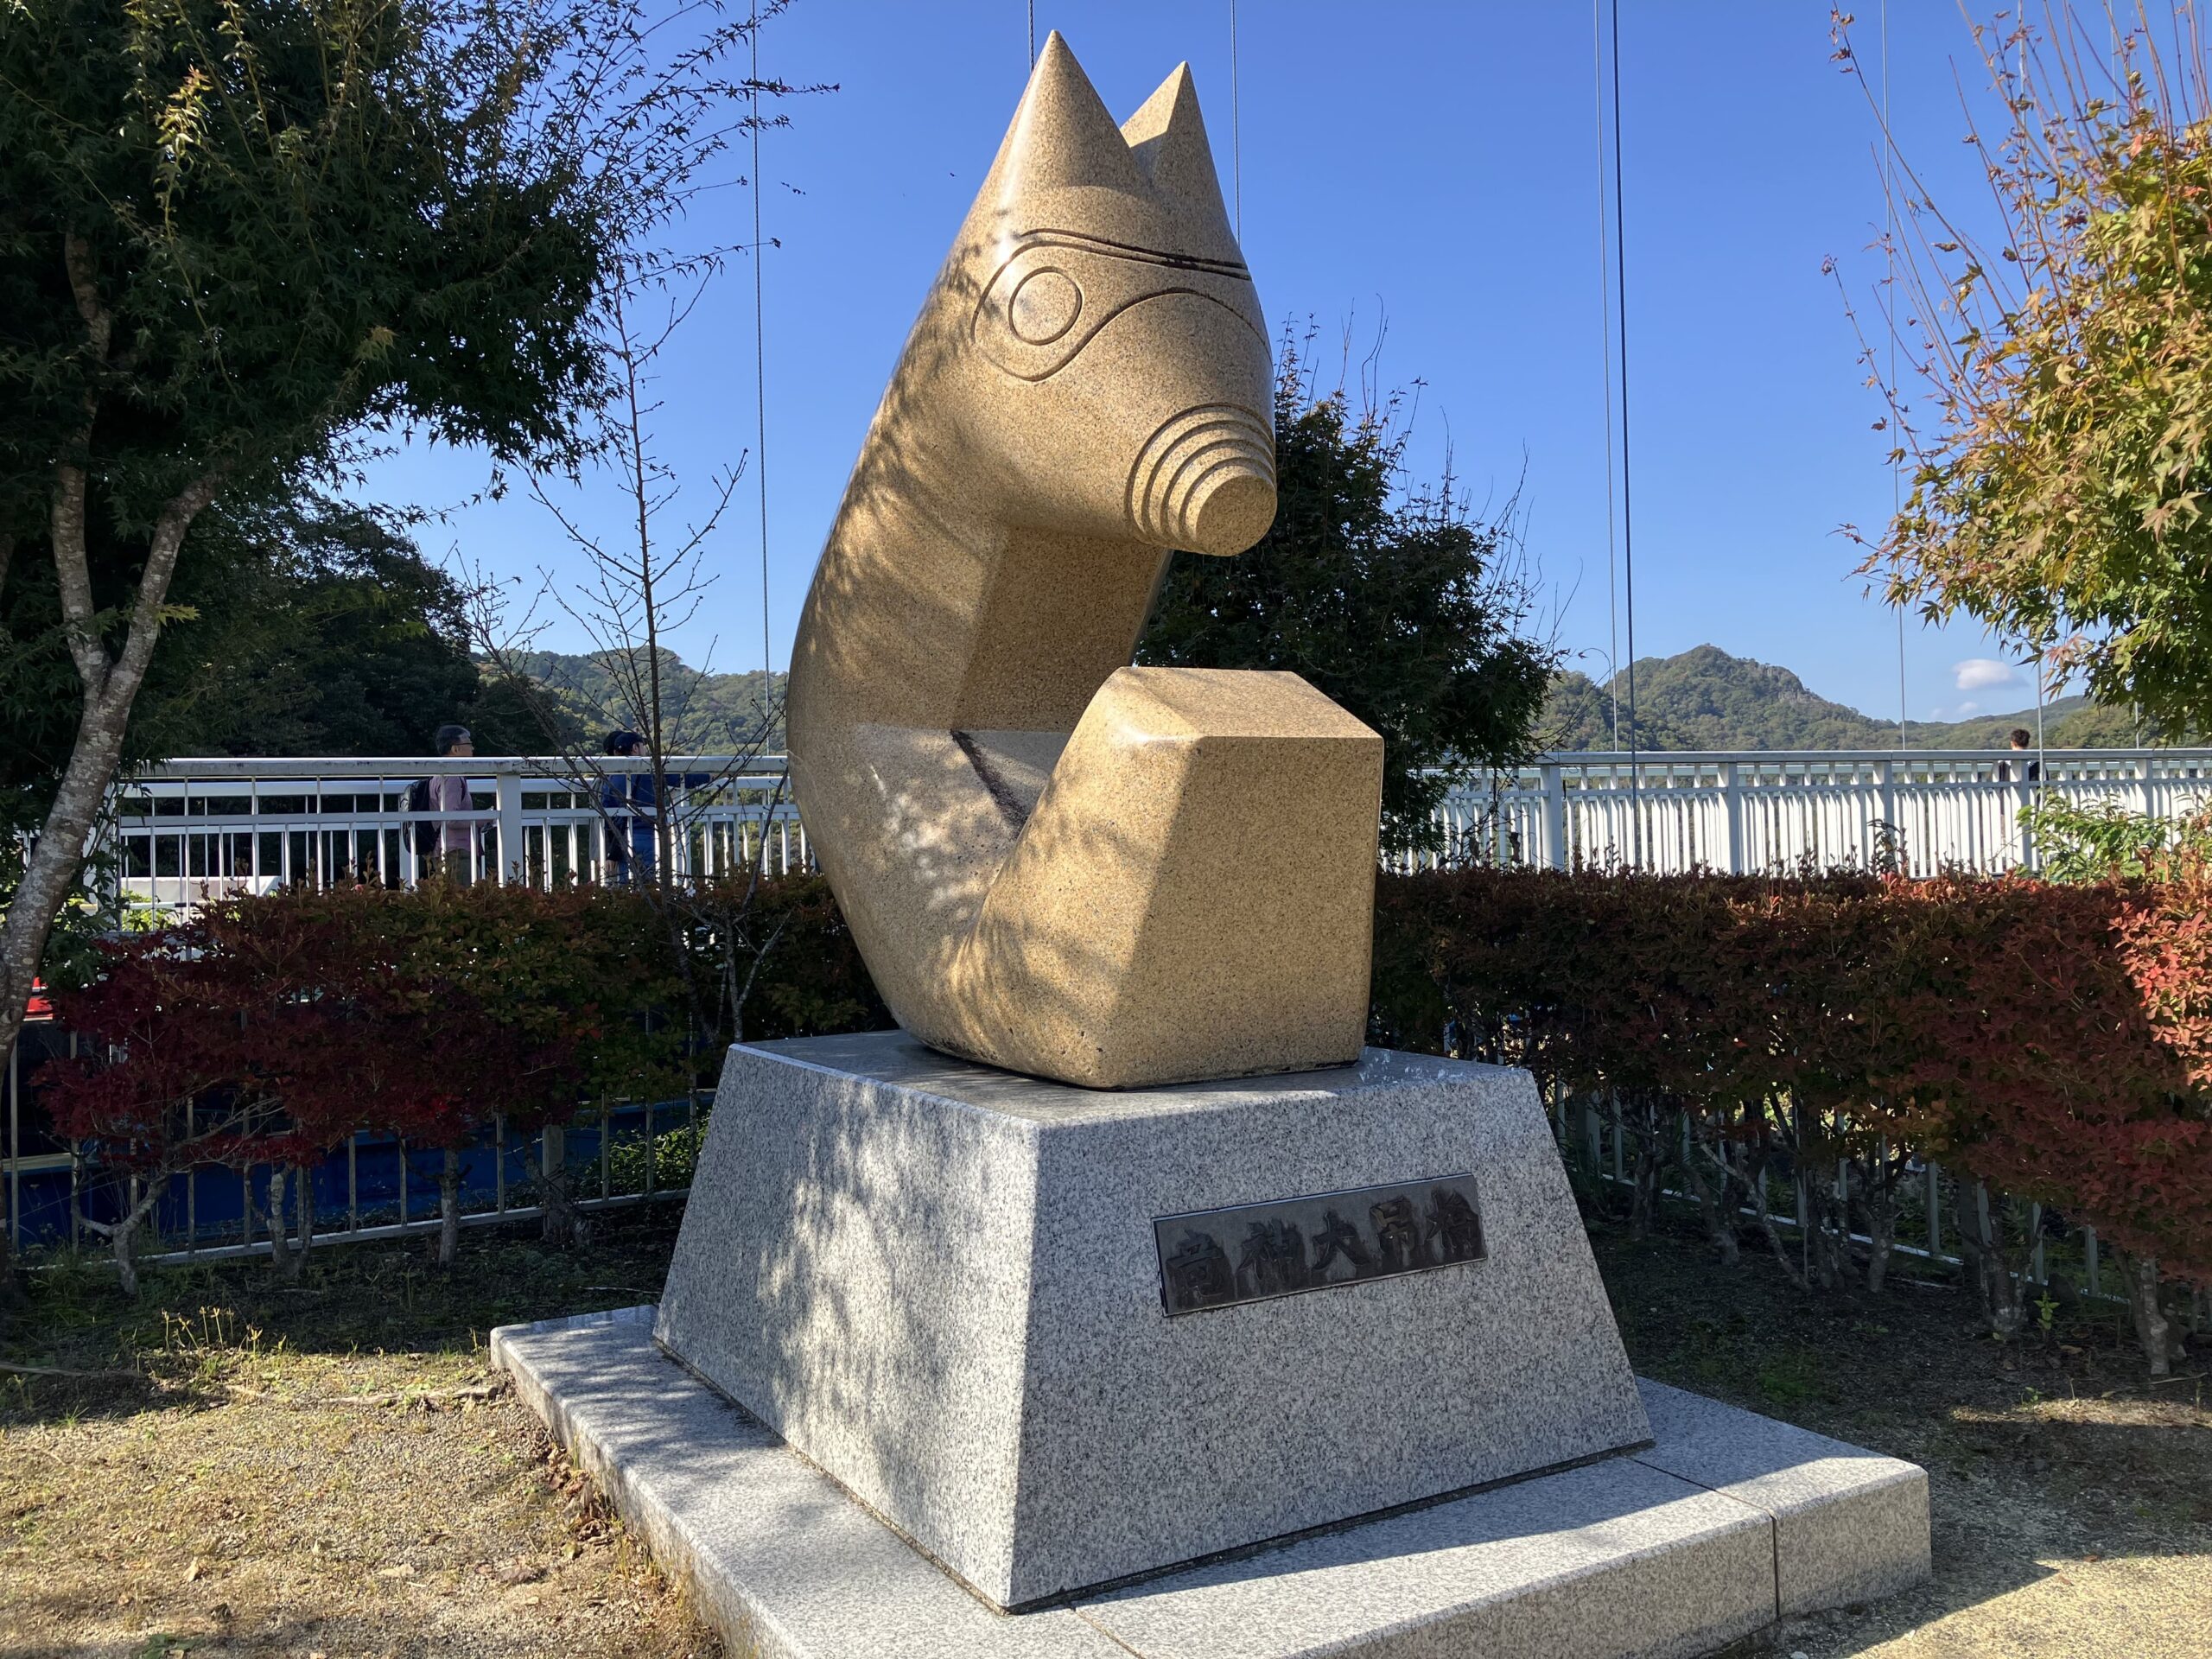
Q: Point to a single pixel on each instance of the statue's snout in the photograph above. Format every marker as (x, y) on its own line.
(1206, 482)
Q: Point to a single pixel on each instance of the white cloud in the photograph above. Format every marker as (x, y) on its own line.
(1976, 673)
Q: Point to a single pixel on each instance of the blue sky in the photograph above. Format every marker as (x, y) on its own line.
(1432, 164)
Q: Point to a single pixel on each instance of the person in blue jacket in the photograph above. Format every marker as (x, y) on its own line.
(626, 800)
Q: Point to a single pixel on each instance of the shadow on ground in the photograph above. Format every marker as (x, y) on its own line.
(2072, 1500)
(255, 1470)
(190, 1326)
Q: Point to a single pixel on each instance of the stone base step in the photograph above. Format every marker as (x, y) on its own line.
(1728, 1521)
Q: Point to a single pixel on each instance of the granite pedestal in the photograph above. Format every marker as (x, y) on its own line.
(945, 1286)
(1729, 1521)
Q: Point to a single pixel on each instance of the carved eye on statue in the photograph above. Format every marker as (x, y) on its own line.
(1053, 292)
(1044, 307)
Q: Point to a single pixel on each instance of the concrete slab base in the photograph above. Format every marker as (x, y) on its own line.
(1727, 1521)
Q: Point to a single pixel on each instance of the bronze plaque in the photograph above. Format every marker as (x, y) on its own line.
(1217, 1258)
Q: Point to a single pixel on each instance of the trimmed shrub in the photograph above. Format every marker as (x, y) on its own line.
(268, 1030)
(2052, 1040)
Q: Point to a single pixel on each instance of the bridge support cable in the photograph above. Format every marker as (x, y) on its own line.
(1628, 514)
(1605, 335)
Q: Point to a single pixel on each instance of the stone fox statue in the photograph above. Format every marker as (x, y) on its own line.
(1052, 860)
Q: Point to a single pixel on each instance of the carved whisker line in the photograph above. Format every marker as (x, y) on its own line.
(1058, 238)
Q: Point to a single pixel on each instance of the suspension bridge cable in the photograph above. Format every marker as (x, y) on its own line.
(1606, 332)
(1236, 128)
(760, 370)
(1032, 34)
(1890, 305)
(1628, 514)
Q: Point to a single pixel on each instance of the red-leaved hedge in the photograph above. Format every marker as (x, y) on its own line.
(2055, 1041)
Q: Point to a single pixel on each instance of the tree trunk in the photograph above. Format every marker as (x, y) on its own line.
(1755, 1181)
(1879, 1199)
(448, 1206)
(10, 1291)
(280, 1245)
(288, 1242)
(1644, 1195)
(1882, 1230)
(123, 1242)
(1831, 1238)
(1649, 1135)
(1714, 1207)
(122, 1234)
(563, 1225)
(109, 688)
(2152, 1329)
(1981, 1240)
(304, 1200)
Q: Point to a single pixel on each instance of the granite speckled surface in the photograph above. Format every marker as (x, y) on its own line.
(939, 1281)
(1850, 1525)
(1052, 860)
(1618, 1559)
(1608, 1560)
(780, 1561)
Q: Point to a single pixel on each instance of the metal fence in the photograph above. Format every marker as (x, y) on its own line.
(612, 1154)
(1750, 812)
(2060, 1256)
(184, 832)
(190, 830)
(187, 831)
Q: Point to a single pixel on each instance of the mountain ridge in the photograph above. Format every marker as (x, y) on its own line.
(1704, 698)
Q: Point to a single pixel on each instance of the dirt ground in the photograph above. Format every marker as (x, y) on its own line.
(335, 1470)
(2072, 1503)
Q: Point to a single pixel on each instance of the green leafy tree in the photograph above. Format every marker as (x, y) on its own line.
(2061, 449)
(303, 626)
(238, 238)
(1395, 601)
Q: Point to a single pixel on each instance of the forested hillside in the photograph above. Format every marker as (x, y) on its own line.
(1706, 699)
(704, 713)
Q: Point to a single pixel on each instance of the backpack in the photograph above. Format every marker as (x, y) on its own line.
(418, 800)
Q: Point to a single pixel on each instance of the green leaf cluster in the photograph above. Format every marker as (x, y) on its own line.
(285, 220)
(2059, 495)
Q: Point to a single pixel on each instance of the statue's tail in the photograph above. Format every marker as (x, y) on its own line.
(1190, 897)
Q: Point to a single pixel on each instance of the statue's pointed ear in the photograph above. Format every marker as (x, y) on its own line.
(1063, 134)
(1168, 138)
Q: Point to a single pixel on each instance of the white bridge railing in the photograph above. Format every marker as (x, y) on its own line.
(188, 830)
(1758, 810)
